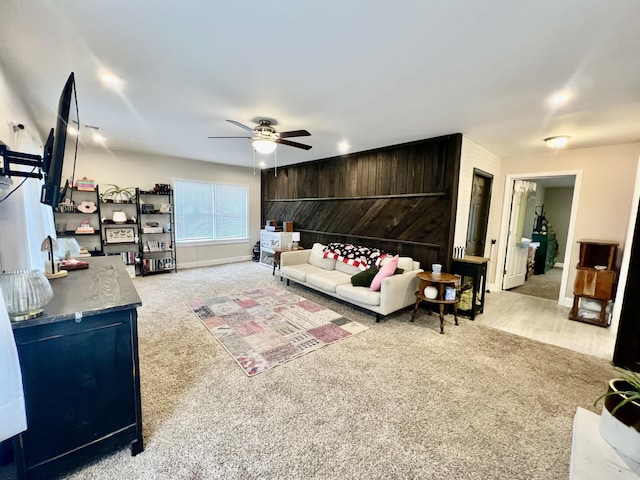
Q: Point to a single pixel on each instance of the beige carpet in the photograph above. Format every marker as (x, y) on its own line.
(399, 401)
(543, 286)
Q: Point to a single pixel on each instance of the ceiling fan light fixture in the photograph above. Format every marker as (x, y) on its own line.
(264, 146)
(558, 141)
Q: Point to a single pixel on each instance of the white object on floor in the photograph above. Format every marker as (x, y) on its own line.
(12, 414)
(592, 458)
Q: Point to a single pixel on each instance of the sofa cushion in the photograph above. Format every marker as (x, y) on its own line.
(361, 295)
(317, 259)
(405, 263)
(299, 272)
(328, 281)
(364, 279)
(385, 271)
(348, 269)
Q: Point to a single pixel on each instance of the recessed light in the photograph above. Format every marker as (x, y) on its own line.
(111, 80)
(344, 146)
(99, 138)
(559, 99)
(557, 141)
(262, 164)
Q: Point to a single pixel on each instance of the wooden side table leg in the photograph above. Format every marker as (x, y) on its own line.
(455, 312)
(415, 309)
(442, 318)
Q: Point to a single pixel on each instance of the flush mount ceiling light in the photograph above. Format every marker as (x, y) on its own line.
(557, 141)
(264, 146)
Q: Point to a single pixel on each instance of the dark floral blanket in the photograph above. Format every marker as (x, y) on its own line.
(358, 256)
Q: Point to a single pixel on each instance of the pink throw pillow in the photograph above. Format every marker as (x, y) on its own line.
(385, 271)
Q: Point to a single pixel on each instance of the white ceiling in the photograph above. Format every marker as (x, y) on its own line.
(371, 72)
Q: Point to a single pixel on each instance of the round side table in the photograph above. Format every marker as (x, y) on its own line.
(440, 281)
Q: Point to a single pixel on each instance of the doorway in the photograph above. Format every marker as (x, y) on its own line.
(479, 213)
(545, 180)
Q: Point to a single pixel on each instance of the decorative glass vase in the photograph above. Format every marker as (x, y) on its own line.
(25, 293)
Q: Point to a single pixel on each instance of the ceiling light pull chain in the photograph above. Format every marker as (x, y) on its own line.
(254, 161)
(275, 162)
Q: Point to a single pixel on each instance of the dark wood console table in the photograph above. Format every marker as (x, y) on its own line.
(80, 373)
(475, 268)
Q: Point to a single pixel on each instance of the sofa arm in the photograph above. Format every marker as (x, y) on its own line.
(294, 257)
(398, 291)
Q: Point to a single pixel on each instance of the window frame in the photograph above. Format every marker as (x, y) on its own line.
(212, 241)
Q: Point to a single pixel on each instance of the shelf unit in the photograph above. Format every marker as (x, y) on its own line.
(269, 241)
(116, 235)
(68, 218)
(595, 282)
(156, 243)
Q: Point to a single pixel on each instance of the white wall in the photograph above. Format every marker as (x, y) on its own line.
(605, 193)
(24, 222)
(475, 156)
(557, 205)
(129, 169)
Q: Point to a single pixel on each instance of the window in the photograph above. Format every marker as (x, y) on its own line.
(210, 211)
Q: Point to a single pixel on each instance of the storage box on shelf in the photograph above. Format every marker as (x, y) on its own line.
(594, 286)
(157, 232)
(78, 216)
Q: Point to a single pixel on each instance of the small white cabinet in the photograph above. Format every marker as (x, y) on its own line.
(270, 241)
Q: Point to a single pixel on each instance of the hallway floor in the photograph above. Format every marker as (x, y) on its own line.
(546, 321)
(545, 285)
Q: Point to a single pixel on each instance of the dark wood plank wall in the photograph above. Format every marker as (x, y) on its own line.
(401, 199)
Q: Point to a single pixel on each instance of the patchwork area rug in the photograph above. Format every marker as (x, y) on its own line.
(264, 328)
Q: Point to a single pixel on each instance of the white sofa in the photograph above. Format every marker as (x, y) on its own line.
(333, 277)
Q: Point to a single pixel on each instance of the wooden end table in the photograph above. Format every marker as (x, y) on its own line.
(276, 256)
(440, 281)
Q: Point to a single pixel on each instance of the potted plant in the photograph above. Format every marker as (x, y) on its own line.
(116, 194)
(620, 417)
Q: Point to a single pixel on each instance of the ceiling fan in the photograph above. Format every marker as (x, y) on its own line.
(265, 137)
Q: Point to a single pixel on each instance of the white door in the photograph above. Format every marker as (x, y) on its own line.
(515, 267)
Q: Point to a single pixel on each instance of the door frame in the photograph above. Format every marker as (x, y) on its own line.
(504, 225)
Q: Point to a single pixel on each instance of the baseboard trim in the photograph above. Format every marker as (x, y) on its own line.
(213, 262)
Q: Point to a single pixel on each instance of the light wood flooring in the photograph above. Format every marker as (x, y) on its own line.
(546, 321)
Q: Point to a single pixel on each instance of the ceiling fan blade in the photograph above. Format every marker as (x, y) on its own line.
(229, 137)
(293, 144)
(294, 133)
(238, 124)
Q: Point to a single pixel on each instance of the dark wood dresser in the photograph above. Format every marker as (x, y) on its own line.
(80, 372)
(546, 252)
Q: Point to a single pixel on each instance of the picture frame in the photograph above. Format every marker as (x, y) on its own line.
(119, 235)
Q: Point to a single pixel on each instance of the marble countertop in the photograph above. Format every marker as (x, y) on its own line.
(103, 287)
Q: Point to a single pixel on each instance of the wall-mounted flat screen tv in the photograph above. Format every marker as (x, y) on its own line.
(61, 144)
